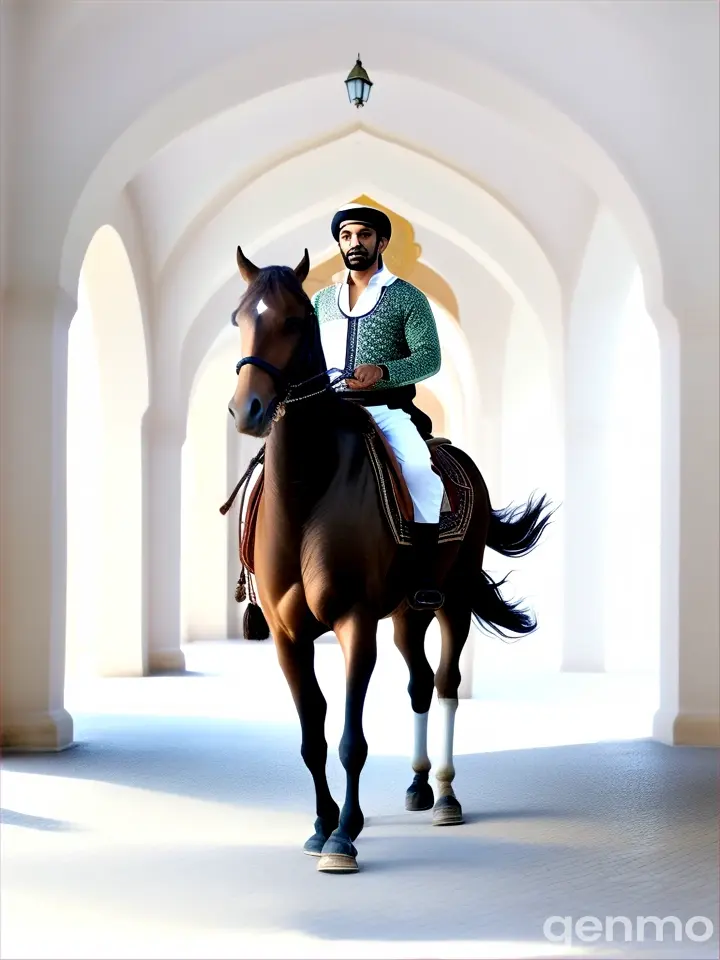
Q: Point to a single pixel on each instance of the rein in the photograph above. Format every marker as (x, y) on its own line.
(240, 591)
(281, 379)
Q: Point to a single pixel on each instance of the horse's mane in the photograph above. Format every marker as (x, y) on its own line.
(269, 282)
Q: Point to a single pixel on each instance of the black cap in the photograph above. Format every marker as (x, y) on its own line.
(368, 216)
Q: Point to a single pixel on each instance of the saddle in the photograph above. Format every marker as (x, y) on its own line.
(397, 505)
(458, 498)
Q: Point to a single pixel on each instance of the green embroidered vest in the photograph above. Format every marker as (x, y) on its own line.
(399, 334)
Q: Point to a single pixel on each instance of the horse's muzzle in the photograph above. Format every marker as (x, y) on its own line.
(250, 417)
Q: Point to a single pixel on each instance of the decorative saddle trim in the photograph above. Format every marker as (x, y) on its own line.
(457, 506)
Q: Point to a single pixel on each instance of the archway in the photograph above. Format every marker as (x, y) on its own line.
(655, 295)
(107, 398)
(289, 207)
(286, 216)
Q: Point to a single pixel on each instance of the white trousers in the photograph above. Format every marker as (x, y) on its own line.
(425, 486)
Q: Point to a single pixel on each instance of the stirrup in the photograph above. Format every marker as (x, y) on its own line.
(426, 599)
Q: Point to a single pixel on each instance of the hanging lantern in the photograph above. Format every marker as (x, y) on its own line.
(358, 85)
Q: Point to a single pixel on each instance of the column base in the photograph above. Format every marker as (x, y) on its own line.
(38, 732)
(170, 660)
(124, 670)
(687, 729)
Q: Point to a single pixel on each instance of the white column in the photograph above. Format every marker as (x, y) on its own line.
(689, 711)
(595, 318)
(163, 438)
(33, 411)
(205, 566)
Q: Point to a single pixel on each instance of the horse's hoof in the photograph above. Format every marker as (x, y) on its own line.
(447, 812)
(338, 855)
(314, 846)
(337, 863)
(419, 796)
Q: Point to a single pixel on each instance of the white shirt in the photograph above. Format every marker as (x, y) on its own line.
(333, 334)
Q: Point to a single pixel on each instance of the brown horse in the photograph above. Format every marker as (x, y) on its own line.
(325, 558)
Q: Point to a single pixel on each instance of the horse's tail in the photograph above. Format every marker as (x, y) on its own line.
(512, 532)
(494, 614)
(515, 531)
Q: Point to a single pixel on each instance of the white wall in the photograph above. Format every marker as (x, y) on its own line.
(632, 574)
(532, 463)
(204, 484)
(595, 319)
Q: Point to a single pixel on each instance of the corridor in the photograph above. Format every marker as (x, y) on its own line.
(174, 827)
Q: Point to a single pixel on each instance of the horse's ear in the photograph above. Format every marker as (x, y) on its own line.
(303, 268)
(248, 270)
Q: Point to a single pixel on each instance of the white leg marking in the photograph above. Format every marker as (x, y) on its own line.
(446, 769)
(421, 760)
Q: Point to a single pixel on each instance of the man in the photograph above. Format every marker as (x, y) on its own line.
(383, 329)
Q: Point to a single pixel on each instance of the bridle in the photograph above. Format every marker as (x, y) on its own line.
(282, 380)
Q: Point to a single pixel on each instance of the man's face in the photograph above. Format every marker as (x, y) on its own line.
(359, 246)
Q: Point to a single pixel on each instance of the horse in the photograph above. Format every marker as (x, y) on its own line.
(324, 558)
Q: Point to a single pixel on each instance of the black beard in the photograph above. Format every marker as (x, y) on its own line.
(363, 263)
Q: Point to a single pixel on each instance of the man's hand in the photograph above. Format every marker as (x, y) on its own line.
(365, 376)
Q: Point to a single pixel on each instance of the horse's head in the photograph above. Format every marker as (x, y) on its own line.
(279, 337)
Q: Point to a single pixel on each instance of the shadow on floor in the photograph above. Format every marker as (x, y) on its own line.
(446, 886)
(31, 822)
(609, 829)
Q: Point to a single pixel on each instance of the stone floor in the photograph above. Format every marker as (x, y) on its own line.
(173, 828)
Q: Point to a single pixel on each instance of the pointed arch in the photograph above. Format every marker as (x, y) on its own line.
(108, 397)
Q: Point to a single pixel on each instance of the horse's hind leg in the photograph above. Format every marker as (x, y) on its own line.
(410, 630)
(454, 620)
(297, 662)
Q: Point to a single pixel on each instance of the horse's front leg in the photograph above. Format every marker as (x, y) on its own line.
(297, 662)
(357, 634)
